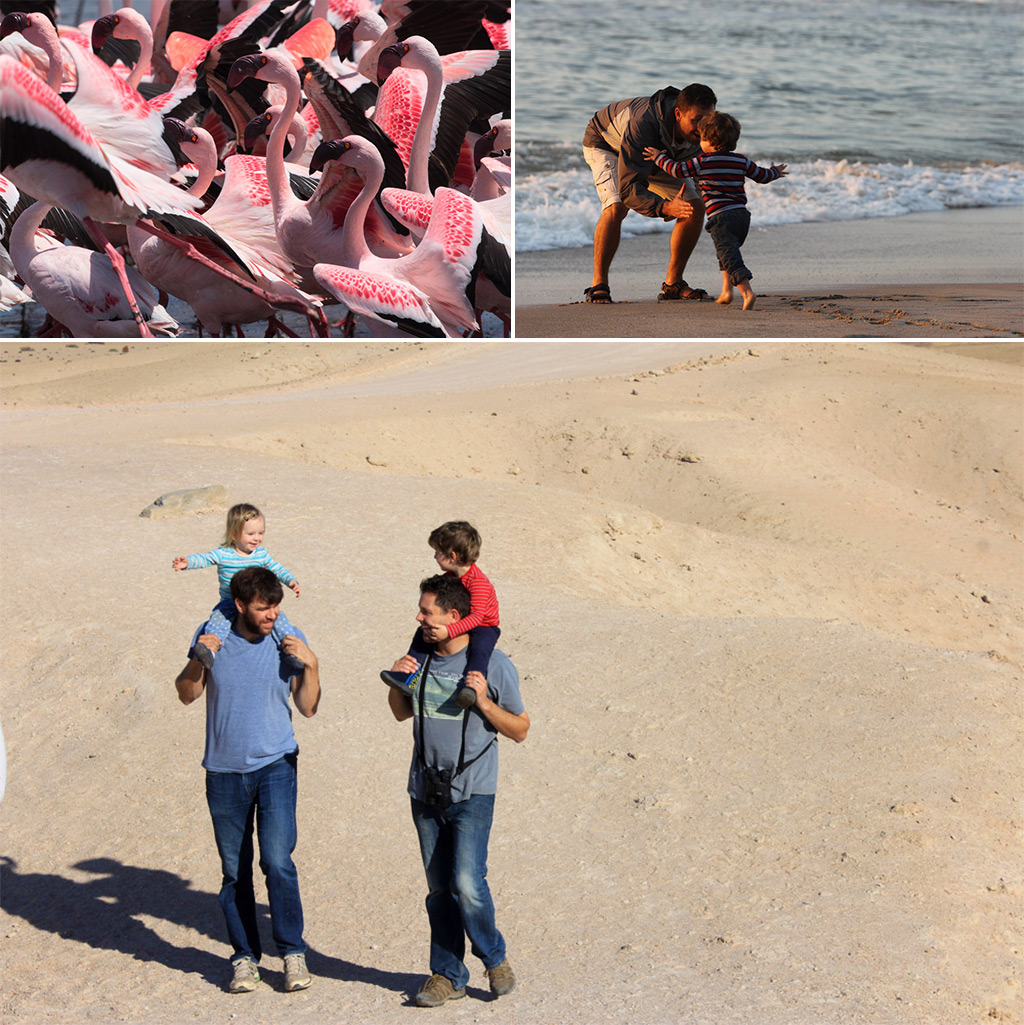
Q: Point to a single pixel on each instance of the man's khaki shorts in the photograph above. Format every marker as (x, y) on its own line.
(605, 166)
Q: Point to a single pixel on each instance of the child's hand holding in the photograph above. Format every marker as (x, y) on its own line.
(180, 563)
(294, 585)
(651, 153)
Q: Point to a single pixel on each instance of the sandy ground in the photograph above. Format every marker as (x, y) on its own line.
(957, 274)
(766, 606)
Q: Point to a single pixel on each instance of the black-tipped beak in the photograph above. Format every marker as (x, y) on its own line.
(245, 67)
(254, 130)
(388, 60)
(102, 30)
(326, 152)
(484, 146)
(16, 22)
(344, 39)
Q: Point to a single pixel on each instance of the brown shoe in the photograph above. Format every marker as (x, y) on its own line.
(503, 979)
(436, 991)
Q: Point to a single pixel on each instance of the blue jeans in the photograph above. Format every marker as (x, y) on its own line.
(728, 230)
(266, 798)
(453, 843)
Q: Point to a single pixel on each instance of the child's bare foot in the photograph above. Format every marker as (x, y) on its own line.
(747, 292)
(724, 299)
(749, 300)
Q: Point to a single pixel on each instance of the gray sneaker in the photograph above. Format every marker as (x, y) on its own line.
(246, 977)
(296, 975)
(436, 990)
(502, 978)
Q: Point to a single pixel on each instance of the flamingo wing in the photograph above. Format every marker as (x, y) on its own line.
(381, 298)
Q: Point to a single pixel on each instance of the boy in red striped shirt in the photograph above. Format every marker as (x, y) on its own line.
(719, 173)
(456, 547)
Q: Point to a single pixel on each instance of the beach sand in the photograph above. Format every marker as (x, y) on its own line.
(942, 275)
(765, 602)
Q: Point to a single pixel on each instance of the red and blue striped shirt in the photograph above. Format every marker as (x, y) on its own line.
(719, 177)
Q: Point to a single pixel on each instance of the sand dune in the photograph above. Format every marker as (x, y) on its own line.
(766, 604)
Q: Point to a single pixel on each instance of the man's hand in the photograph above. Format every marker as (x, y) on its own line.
(677, 207)
(296, 648)
(212, 641)
(180, 563)
(294, 585)
(406, 664)
(478, 682)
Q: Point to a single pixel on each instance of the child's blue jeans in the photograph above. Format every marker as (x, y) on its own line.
(728, 230)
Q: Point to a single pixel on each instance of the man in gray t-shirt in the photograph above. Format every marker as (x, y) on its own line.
(452, 782)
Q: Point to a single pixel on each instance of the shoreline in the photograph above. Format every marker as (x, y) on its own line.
(939, 275)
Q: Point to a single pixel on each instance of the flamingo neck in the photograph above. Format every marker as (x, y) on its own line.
(353, 233)
(23, 234)
(144, 37)
(418, 178)
(206, 167)
(277, 173)
(47, 40)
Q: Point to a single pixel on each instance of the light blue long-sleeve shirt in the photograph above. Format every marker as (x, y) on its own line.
(229, 560)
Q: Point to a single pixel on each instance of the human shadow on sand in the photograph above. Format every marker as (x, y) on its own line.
(104, 913)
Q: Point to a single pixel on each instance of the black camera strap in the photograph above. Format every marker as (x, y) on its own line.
(465, 723)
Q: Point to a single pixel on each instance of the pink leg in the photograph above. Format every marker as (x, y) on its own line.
(122, 274)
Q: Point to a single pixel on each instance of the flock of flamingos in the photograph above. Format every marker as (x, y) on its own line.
(342, 160)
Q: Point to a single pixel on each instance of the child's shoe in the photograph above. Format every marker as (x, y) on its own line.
(203, 653)
(404, 682)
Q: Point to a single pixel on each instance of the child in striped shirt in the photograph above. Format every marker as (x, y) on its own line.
(719, 172)
(242, 547)
(456, 547)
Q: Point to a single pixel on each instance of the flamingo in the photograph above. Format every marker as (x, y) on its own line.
(11, 294)
(478, 82)
(424, 293)
(79, 288)
(239, 216)
(307, 230)
(47, 152)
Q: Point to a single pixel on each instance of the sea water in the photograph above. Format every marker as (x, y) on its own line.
(879, 107)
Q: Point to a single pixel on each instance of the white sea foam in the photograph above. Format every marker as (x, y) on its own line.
(558, 209)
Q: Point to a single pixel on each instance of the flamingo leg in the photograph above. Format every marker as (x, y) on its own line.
(122, 273)
(280, 302)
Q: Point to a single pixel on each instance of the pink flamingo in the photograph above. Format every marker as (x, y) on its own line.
(424, 293)
(242, 217)
(79, 288)
(308, 231)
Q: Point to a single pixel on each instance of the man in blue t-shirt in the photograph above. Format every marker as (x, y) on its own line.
(251, 762)
(452, 782)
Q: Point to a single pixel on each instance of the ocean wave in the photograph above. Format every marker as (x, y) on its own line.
(558, 209)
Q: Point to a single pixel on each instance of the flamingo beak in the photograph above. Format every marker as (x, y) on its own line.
(388, 60)
(243, 68)
(16, 22)
(326, 152)
(254, 130)
(344, 39)
(102, 30)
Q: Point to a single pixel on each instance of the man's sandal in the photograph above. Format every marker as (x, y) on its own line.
(597, 294)
(681, 290)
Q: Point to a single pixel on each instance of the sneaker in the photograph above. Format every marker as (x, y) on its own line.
(203, 653)
(296, 975)
(246, 977)
(400, 681)
(436, 990)
(503, 979)
(465, 697)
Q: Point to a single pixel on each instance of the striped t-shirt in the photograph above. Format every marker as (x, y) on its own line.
(229, 560)
(719, 177)
(483, 609)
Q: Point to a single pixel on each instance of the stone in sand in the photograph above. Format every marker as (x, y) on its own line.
(187, 502)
